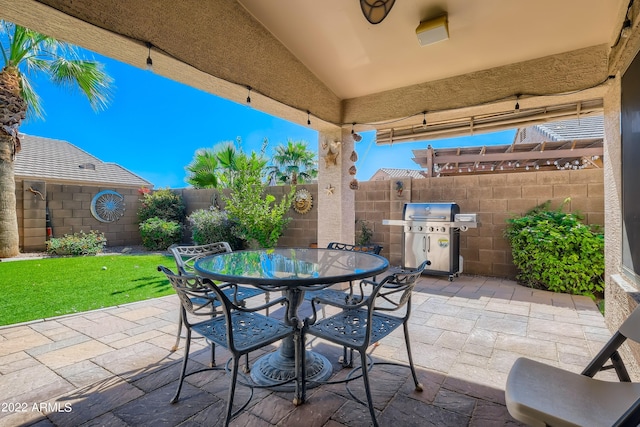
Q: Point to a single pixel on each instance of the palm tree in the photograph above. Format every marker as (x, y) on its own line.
(26, 52)
(203, 169)
(293, 163)
(218, 167)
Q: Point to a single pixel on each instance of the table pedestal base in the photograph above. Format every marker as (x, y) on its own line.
(274, 368)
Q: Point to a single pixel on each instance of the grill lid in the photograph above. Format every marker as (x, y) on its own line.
(442, 212)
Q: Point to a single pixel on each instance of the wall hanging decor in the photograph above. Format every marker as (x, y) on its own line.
(354, 184)
(333, 151)
(354, 157)
(353, 170)
(107, 206)
(329, 189)
(302, 201)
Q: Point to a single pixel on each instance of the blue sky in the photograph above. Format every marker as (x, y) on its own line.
(153, 126)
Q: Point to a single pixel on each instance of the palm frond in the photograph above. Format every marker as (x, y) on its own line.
(34, 104)
(88, 76)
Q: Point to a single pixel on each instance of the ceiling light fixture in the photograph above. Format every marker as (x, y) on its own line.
(249, 95)
(376, 10)
(149, 60)
(424, 119)
(308, 118)
(433, 30)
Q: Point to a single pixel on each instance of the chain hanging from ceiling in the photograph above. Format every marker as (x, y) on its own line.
(376, 10)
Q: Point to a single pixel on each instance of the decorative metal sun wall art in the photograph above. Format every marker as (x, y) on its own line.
(107, 206)
(302, 201)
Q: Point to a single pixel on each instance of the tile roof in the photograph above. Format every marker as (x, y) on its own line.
(567, 130)
(399, 173)
(45, 158)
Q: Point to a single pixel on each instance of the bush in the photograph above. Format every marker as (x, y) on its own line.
(213, 225)
(554, 250)
(80, 243)
(159, 234)
(261, 219)
(365, 235)
(163, 204)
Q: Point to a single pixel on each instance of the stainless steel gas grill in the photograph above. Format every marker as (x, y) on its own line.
(432, 232)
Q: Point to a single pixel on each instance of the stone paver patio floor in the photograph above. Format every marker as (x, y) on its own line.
(113, 367)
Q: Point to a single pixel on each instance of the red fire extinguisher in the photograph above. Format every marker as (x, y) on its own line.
(48, 224)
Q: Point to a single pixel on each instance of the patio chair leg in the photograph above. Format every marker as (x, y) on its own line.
(213, 355)
(183, 370)
(246, 369)
(175, 346)
(347, 357)
(267, 298)
(301, 382)
(418, 385)
(367, 386)
(232, 390)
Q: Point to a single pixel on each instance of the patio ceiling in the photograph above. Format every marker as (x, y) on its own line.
(324, 62)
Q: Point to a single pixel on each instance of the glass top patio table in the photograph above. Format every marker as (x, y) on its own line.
(294, 271)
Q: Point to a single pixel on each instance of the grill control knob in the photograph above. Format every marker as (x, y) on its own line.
(419, 228)
(407, 228)
(431, 229)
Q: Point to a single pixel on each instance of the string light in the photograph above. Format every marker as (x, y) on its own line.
(356, 137)
(149, 60)
(249, 95)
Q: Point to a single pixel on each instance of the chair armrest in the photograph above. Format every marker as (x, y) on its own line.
(281, 300)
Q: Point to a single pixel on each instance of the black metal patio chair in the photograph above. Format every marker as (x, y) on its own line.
(365, 322)
(186, 255)
(538, 394)
(340, 296)
(240, 330)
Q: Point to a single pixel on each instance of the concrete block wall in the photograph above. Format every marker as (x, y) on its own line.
(301, 231)
(70, 211)
(494, 198)
(485, 251)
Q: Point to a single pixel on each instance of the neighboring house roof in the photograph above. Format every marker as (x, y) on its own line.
(578, 129)
(53, 159)
(389, 173)
(566, 130)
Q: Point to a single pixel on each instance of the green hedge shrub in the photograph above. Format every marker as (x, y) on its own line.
(214, 225)
(159, 234)
(80, 243)
(163, 204)
(554, 250)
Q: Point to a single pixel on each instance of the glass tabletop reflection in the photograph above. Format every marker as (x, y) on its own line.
(291, 266)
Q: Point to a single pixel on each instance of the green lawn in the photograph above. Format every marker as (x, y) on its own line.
(43, 288)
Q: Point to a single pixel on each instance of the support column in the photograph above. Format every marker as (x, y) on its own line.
(336, 200)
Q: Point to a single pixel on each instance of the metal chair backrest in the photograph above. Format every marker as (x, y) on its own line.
(197, 295)
(374, 249)
(395, 289)
(186, 255)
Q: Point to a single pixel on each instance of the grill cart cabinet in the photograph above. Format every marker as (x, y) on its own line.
(432, 232)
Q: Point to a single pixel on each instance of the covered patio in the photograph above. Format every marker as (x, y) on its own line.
(320, 64)
(113, 366)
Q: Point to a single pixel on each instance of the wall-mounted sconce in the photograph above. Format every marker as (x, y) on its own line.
(433, 30)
